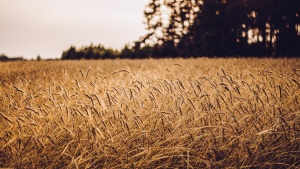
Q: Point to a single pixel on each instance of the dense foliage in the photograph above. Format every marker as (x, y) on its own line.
(4, 58)
(223, 27)
(185, 28)
(89, 52)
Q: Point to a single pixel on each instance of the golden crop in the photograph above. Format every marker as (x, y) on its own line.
(169, 113)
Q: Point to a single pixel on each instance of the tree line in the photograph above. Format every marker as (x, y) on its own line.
(192, 28)
(89, 52)
(4, 58)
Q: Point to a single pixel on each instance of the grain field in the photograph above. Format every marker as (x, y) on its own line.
(168, 113)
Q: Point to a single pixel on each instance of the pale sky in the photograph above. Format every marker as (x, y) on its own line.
(47, 27)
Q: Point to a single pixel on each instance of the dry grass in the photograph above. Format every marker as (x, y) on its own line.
(196, 113)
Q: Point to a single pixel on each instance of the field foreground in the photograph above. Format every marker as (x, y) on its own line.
(171, 113)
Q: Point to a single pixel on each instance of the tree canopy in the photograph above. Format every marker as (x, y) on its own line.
(89, 52)
(192, 28)
(223, 27)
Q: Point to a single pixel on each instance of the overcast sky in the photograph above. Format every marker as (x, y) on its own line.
(47, 27)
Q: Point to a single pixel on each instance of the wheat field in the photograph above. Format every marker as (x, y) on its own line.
(168, 113)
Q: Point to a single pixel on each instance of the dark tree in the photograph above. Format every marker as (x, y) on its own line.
(89, 52)
(223, 27)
